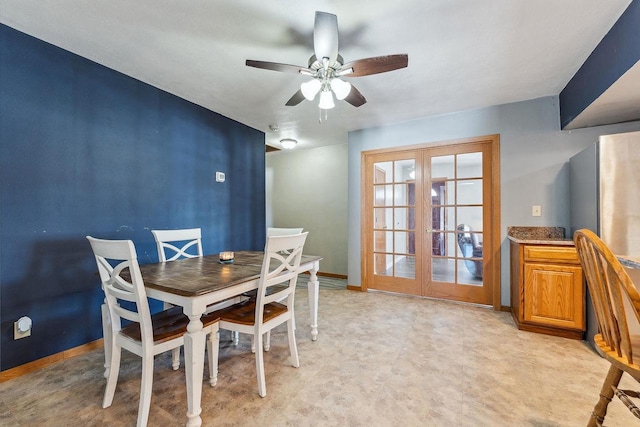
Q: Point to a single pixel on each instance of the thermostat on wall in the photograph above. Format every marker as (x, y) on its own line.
(219, 176)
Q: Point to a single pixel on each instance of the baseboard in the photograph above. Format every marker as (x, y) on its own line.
(35, 365)
(354, 288)
(505, 308)
(332, 275)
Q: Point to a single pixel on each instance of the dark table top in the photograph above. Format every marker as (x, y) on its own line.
(198, 276)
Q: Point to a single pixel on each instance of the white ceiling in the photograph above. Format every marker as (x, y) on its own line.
(463, 54)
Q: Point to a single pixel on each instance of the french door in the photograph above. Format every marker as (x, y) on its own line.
(431, 221)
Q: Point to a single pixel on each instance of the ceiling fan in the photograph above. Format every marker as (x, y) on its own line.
(326, 68)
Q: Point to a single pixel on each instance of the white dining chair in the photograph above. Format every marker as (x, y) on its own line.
(173, 245)
(181, 243)
(271, 231)
(147, 335)
(274, 231)
(184, 243)
(258, 316)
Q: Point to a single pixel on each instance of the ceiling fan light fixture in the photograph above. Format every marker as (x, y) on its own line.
(340, 88)
(288, 143)
(310, 89)
(326, 100)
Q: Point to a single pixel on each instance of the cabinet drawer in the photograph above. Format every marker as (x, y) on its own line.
(562, 254)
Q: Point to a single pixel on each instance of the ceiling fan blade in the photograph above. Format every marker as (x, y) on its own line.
(355, 98)
(286, 68)
(296, 99)
(325, 36)
(375, 65)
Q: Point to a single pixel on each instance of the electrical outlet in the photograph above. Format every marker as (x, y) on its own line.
(220, 177)
(536, 211)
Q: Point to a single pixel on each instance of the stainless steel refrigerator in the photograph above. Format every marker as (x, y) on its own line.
(605, 198)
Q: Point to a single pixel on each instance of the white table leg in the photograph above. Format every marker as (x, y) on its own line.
(106, 337)
(313, 287)
(194, 343)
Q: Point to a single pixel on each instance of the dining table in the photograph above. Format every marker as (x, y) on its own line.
(194, 284)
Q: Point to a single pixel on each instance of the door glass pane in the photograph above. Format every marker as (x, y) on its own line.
(478, 239)
(443, 270)
(411, 242)
(401, 242)
(471, 216)
(437, 243)
(437, 218)
(383, 264)
(404, 170)
(383, 218)
(469, 165)
(442, 167)
(405, 266)
(469, 192)
(382, 172)
(411, 194)
(450, 193)
(438, 193)
(452, 247)
(450, 219)
(470, 272)
(401, 219)
(411, 218)
(383, 195)
(382, 241)
(401, 195)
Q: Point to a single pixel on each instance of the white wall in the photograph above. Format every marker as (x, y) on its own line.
(533, 163)
(308, 188)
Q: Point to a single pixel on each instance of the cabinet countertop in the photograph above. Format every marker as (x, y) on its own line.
(543, 241)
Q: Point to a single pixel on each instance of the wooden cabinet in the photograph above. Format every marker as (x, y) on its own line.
(547, 289)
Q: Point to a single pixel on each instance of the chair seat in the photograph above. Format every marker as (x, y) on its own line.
(244, 313)
(167, 324)
(612, 356)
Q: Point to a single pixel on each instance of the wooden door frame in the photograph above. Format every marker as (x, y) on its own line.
(492, 259)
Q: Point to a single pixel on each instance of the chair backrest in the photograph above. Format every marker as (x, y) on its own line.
(191, 239)
(609, 286)
(281, 261)
(272, 231)
(113, 257)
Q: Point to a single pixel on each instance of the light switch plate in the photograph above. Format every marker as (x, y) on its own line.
(220, 177)
(536, 211)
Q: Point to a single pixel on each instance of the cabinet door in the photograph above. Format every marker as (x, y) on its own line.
(554, 295)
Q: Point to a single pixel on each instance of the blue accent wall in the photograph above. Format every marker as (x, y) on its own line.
(618, 51)
(85, 150)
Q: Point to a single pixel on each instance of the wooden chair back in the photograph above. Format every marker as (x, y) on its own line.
(609, 285)
(166, 240)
